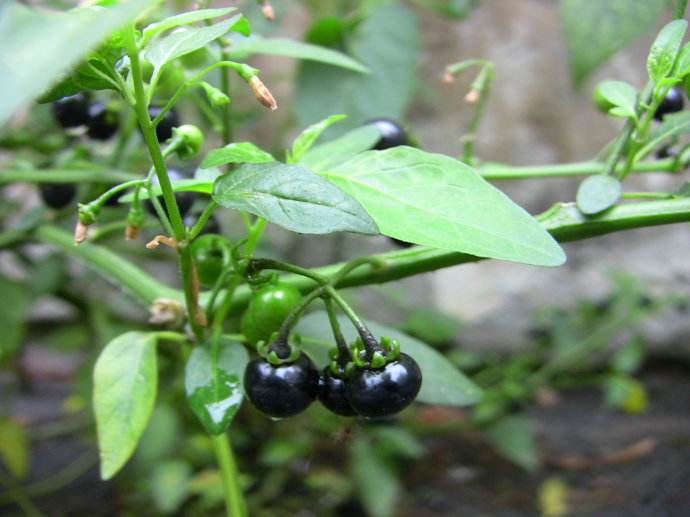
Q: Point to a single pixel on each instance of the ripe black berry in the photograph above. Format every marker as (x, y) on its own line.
(167, 123)
(666, 152)
(283, 390)
(72, 111)
(332, 393)
(392, 134)
(102, 122)
(185, 200)
(672, 103)
(384, 391)
(58, 195)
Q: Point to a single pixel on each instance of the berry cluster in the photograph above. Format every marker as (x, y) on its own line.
(284, 381)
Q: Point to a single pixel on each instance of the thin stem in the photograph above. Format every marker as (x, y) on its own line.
(234, 500)
(374, 262)
(344, 354)
(123, 139)
(255, 233)
(226, 110)
(202, 220)
(646, 195)
(368, 340)
(504, 172)
(92, 175)
(179, 232)
(679, 11)
(280, 345)
(482, 85)
(260, 264)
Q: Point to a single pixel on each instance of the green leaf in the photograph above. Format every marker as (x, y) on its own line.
(674, 124)
(325, 156)
(597, 193)
(178, 44)
(442, 383)
(596, 30)
(375, 481)
(306, 139)
(512, 436)
(214, 388)
(14, 302)
(387, 43)
(664, 50)
(682, 66)
(181, 19)
(239, 152)
(125, 383)
(456, 9)
(242, 48)
(170, 485)
(435, 200)
(292, 197)
(38, 46)
(621, 95)
(14, 447)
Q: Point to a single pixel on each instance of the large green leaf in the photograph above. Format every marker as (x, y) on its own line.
(292, 197)
(14, 302)
(332, 153)
(442, 383)
(38, 46)
(596, 29)
(180, 43)
(387, 43)
(14, 447)
(435, 200)
(241, 48)
(125, 382)
(214, 385)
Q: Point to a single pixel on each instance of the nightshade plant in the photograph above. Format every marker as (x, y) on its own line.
(365, 181)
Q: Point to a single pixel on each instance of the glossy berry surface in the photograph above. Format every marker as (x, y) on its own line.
(672, 103)
(384, 391)
(72, 111)
(58, 195)
(333, 394)
(666, 152)
(208, 257)
(167, 123)
(392, 134)
(267, 309)
(185, 200)
(281, 391)
(102, 123)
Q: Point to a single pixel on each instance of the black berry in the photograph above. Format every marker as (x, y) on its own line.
(102, 122)
(58, 195)
(666, 152)
(72, 111)
(185, 200)
(332, 394)
(283, 390)
(167, 123)
(672, 103)
(384, 391)
(392, 134)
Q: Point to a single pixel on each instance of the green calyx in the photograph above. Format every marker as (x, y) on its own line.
(336, 366)
(88, 213)
(387, 352)
(279, 352)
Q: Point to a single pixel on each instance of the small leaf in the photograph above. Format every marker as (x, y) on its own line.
(435, 200)
(14, 303)
(682, 66)
(170, 485)
(442, 383)
(674, 124)
(178, 44)
(375, 481)
(125, 382)
(242, 48)
(664, 50)
(181, 19)
(306, 139)
(621, 95)
(214, 388)
(239, 152)
(292, 197)
(512, 436)
(597, 193)
(14, 447)
(324, 156)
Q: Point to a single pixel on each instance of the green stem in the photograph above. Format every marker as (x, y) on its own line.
(368, 340)
(123, 139)
(679, 11)
(255, 233)
(482, 85)
(173, 211)
(344, 354)
(234, 500)
(65, 176)
(505, 172)
(203, 219)
(260, 264)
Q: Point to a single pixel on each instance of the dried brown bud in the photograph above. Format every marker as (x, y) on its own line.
(166, 312)
(262, 94)
(131, 232)
(267, 10)
(472, 97)
(81, 232)
(161, 239)
(448, 77)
